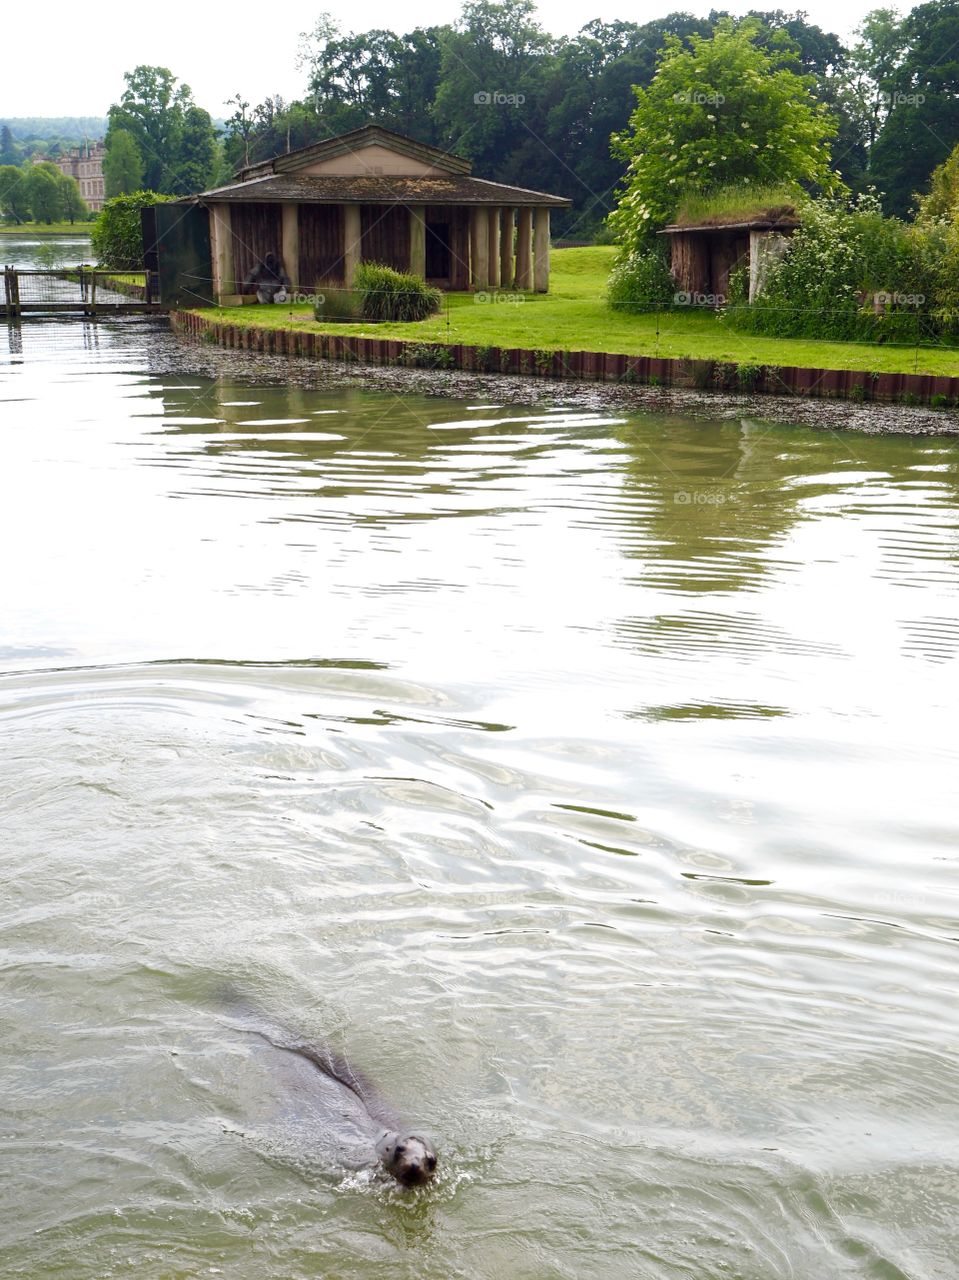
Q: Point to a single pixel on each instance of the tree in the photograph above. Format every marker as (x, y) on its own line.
(923, 122)
(588, 95)
(239, 130)
(492, 71)
(722, 111)
(14, 195)
(875, 60)
(373, 76)
(154, 109)
(196, 153)
(122, 164)
(73, 206)
(45, 192)
(823, 56)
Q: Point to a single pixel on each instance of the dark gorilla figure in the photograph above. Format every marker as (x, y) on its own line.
(268, 280)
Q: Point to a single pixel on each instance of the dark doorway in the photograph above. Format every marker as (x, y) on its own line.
(438, 251)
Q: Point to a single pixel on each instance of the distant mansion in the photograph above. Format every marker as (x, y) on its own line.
(85, 163)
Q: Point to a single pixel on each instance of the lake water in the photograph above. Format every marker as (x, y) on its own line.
(590, 777)
(30, 251)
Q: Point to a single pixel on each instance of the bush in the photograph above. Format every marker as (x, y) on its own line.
(116, 236)
(640, 281)
(395, 295)
(848, 273)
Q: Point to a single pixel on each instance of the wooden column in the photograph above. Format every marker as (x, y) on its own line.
(524, 257)
(352, 238)
(494, 259)
(291, 247)
(221, 244)
(541, 251)
(479, 248)
(418, 240)
(506, 249)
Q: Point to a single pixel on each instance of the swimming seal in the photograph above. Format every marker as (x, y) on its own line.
(407, 1156)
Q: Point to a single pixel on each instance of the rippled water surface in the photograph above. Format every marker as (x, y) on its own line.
(28, 250)
(590, 777)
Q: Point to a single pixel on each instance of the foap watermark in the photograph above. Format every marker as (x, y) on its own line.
(897, 99)
(496, 298)
(695, 97)
(497, 99)
(701, 498)
(885, 299)
(686, 299)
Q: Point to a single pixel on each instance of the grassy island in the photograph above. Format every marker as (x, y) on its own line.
(574, 316)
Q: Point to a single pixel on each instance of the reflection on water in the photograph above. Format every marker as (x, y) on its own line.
(589, 775)
(31, 251)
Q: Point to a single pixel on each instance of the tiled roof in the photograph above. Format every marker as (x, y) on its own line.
(377, 189)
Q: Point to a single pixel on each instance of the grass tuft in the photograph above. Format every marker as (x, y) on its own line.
(740, 202)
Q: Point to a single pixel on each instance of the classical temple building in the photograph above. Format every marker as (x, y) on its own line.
(367, 196)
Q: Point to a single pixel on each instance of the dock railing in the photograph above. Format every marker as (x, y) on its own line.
(83, 290)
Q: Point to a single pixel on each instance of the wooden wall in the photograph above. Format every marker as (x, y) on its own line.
(321, 245)
(728, 251)
(702, 260)
(457, 222)
(257, 231)
(385, 235)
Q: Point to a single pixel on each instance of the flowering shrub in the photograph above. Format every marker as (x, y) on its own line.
(718, 111)
(640, 281)
(847, 273)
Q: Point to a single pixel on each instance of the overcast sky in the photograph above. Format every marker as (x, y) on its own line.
(68, 60)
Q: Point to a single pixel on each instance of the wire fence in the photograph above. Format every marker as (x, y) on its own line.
(78, 288)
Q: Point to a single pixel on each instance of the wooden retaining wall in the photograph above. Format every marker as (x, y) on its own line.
(594, 366)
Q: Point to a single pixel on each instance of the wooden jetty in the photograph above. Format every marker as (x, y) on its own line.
(81, 290)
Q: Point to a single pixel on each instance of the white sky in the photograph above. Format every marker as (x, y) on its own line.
(68, 60)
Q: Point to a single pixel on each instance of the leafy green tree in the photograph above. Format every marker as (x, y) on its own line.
(117, 237)
(923, 122)
(73, 205)
(823, 56)
(122, 164)
(493, 66)
(45, 192)
(14, 195)
(587, 95)
(373, 77)
(722, 111)
(197, 153)
(240, 129)
(150, 110)
(874, 62)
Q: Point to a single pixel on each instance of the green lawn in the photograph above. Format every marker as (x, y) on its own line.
(46, 228)
(574, 316)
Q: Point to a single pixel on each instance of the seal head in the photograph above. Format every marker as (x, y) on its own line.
(408, 1157)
